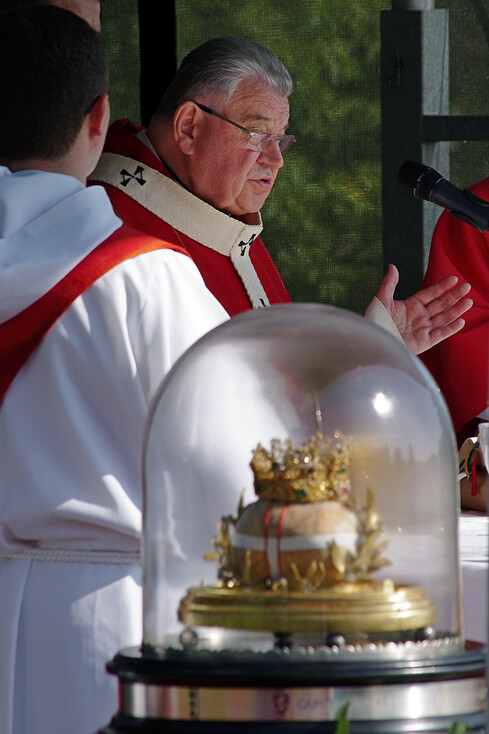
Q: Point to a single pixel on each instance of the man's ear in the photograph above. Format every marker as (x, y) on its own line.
(185, 122)
(99, 116)
(95, 126)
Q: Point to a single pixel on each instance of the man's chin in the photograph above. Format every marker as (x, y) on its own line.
(253, 204)
(243, 211)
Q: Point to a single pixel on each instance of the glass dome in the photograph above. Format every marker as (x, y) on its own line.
(299, 489)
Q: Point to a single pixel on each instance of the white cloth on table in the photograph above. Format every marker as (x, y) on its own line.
(474, 553)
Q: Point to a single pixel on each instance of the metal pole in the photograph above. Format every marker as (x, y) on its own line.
(414, 84)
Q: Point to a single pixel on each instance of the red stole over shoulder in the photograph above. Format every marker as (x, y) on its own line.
(20, 335)
(216, 269)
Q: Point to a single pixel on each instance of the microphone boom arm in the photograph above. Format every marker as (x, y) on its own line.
(426, 183)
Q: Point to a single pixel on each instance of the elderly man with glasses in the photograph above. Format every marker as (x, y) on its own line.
(200, 173)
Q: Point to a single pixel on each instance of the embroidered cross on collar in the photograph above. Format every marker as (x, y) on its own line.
(244, 245)
(136, 176)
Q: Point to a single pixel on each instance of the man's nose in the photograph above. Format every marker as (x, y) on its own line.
(271, 155)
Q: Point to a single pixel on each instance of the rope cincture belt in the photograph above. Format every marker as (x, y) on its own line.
(72, 556)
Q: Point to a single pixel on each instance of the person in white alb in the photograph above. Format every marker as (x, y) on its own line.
(92, 318)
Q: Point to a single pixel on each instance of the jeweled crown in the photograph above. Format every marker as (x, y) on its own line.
(317, 470)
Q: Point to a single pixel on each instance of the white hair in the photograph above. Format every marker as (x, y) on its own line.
(216, 68)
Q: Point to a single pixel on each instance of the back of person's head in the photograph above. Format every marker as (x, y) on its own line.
(89, 10)
(216, 69)
(52, 70)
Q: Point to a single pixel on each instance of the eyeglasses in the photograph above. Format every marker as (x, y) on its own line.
(258, 139)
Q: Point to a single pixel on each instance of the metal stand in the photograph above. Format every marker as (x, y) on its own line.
(225, 693)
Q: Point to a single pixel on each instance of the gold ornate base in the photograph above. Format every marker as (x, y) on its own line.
(358, 608)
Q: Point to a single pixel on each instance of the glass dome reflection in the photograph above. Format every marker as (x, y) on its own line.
(288, 373)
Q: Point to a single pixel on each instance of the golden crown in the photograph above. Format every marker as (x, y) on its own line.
(317, 470)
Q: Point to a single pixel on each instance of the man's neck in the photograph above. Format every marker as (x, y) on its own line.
(144, 138)
(50, 166)
(159, 136)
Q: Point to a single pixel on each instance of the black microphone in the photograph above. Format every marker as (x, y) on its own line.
(426, 183)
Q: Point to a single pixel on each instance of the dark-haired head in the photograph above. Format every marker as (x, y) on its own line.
(89, 10)
(52, 69)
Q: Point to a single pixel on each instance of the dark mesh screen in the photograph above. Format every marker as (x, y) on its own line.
(120, 31)
(469, 83)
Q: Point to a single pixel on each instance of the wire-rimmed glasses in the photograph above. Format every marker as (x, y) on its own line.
(258, 139)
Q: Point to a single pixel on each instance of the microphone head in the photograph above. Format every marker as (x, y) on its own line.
(426, 183)
(419, 179)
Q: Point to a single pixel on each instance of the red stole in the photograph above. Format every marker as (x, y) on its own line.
(217, 270)
(20, 335)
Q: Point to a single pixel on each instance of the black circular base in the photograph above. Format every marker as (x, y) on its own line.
(230, 669)
(187, 694)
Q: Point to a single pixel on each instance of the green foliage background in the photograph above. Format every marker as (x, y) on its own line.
(323, 218)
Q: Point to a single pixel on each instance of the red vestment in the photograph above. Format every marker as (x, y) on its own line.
(20, 335)
(133, 185)
(460, 364)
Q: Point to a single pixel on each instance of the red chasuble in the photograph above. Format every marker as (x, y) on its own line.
(20, 335)
(460, 364)
(217, 269)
